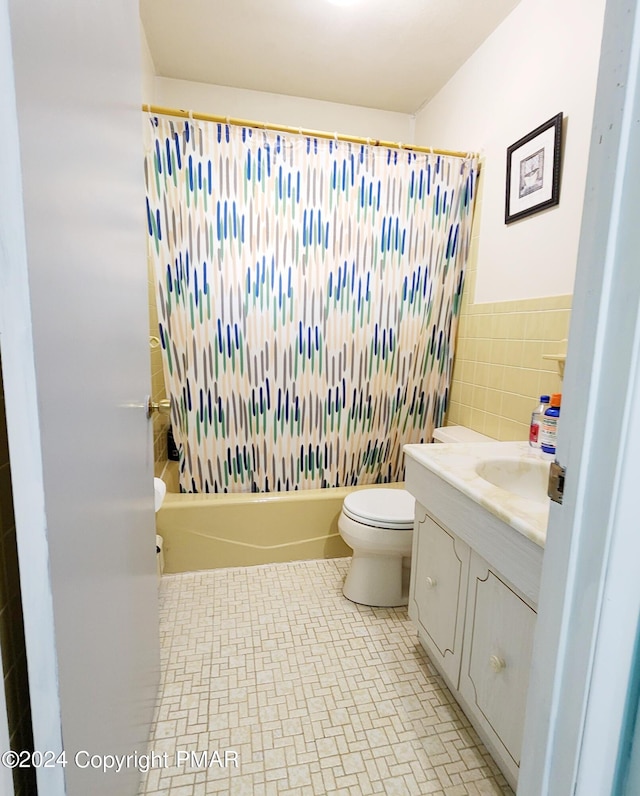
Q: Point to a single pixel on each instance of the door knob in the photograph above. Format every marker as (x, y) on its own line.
(162, 407)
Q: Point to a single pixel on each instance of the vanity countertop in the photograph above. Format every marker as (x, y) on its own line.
(457, 465)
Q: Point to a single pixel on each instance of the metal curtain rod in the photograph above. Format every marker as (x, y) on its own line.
(205, 117)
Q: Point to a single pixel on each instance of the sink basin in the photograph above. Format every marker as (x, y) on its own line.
(507, 479)
(527, 478)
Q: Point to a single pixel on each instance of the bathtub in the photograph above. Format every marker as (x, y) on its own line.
(212, 531)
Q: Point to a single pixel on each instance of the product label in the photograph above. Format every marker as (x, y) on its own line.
(534, 433)
(549, 431)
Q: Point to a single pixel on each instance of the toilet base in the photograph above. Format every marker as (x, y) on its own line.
(377, 580)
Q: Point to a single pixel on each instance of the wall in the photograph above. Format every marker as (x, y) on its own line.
(541, 60)
(78, 94)
(499, 370)
(160, 422)
(520, 278)
(148, 69)
(281, 109)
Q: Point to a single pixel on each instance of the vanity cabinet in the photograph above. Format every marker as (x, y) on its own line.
(437, 600)
(498, 645)
(477, 628)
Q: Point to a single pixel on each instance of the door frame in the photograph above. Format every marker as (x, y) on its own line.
(23, 430)
(590, 591)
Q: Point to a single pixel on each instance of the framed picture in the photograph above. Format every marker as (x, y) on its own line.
(533, 171)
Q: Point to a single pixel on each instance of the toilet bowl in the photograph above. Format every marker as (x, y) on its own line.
(378, 525)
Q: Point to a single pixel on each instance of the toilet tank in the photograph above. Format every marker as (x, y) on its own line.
(458, 434)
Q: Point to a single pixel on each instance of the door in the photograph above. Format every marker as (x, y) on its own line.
(590, 591)
(74, 334)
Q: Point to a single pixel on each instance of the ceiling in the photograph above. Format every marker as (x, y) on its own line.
(381, 54)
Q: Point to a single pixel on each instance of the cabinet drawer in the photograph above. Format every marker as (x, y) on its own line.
(498, 647)
(440, 565)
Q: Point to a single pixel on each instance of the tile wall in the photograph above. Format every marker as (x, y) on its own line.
(160, 422)
(500, 371)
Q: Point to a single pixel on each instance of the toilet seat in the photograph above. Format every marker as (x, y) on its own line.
(381, 508)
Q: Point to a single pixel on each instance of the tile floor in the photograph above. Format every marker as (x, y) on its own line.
(314, 694)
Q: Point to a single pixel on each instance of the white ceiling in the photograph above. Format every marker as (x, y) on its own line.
(376, 53)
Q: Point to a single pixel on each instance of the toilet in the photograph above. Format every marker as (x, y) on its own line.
(377, 524)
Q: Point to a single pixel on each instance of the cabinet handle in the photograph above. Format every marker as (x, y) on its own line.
(431, 583)
(496, 663)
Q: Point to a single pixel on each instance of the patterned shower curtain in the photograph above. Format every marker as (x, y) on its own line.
(308, 292)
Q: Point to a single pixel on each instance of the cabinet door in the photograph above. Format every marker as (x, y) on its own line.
(440, 566)
(498, 645)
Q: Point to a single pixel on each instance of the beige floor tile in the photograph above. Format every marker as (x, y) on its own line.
(310, 693)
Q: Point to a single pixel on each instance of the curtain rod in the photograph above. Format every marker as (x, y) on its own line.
(160, 111)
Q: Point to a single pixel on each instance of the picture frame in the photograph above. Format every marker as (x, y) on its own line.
(533, 171)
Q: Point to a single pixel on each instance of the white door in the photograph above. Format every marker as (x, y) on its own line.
(590, 592)
(74, 334)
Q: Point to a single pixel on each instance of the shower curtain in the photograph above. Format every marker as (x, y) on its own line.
(308, 292)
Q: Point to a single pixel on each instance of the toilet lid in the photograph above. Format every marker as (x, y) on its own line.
(382, 508)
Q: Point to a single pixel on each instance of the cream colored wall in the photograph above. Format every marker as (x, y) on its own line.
(281, 109)
(540, 61)
(157, 388)
(157, 391)
(499, 371)
(519, 284)
(148, 69)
